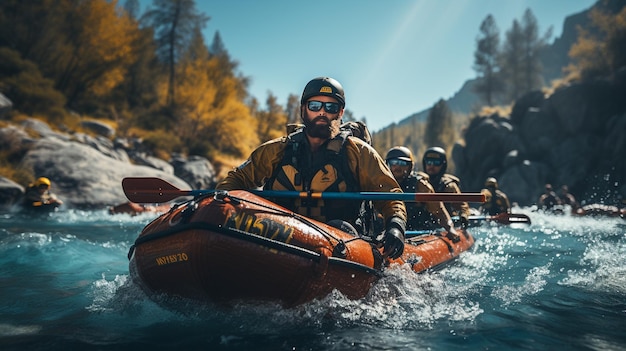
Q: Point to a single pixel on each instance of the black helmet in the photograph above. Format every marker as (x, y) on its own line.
(436, 153)
(400, 153)
(324, 86)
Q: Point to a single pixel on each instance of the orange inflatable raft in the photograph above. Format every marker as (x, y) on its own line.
(235, 245)
(134, 209)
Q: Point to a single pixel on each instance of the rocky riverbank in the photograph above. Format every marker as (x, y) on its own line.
(86, 171)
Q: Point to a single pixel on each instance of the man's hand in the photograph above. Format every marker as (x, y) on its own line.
(453, 236)
(464, 222)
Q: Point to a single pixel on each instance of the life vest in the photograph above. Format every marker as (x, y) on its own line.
(418, 216)
(440, 187)
(325, 171)
(494, 202)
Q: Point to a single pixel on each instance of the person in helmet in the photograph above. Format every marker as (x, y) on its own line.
(420, 215)
(321, 158)
(566, 198)
(496, 200)
(39, 196)
(548, 200)
(435, 164)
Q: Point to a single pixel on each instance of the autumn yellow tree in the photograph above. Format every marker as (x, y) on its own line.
(104, 48)
(211, 115)
(84, 47)
(601, 50)
(272, 121)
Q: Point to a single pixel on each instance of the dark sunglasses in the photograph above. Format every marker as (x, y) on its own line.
(396, 162)
(433, 162)
(330, 107)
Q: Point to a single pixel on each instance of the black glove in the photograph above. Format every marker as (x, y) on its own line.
(464, 222)
(453, 236)
(394, 242)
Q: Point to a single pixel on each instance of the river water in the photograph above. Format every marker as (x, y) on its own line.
(559, 283)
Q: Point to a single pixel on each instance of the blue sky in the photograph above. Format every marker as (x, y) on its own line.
(393, 57)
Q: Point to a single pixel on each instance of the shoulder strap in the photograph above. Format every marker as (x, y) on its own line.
(449, 178)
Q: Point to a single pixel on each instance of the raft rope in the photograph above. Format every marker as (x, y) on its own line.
(339, 249)
(328, 236)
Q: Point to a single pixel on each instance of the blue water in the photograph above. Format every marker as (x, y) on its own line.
(559, 283)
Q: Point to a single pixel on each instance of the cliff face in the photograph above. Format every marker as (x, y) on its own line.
(574, 137)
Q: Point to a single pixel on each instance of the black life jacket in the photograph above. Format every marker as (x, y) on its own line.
(441, 185)
(496, 203)
(418, 216)
(325, 171)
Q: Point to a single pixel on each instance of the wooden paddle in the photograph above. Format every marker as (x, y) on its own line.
(156, 190)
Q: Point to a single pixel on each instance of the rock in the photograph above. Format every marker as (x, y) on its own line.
(141, 158)
(10, 193)
(99, 128)
(574, 137)
(42, 129)
(5, 105)
(196, 170)
(82, 176)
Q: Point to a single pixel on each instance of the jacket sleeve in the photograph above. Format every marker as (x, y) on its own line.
(257, 169)
(373, 175)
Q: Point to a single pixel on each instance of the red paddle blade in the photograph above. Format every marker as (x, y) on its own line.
(150, 190)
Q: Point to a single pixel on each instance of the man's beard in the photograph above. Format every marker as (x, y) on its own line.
(322, 131)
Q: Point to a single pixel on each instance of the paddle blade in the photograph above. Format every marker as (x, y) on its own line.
(510, 218)
(150, 190)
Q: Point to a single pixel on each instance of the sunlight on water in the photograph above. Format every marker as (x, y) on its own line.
(404, 300)
(70, 272)
(533, 284)
(605, 268)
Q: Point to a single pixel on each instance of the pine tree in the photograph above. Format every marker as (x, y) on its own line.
(174, 22)
(511, 61)
(533, 44)
(520, 62)
(486, 61)
(439, 129)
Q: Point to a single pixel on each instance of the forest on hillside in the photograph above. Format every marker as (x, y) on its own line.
(153, 76)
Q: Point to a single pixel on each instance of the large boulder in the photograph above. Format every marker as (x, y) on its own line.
(195, 170)
(10, 193)
(82, 176)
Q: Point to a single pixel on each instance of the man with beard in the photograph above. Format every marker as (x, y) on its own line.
(322, 158)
